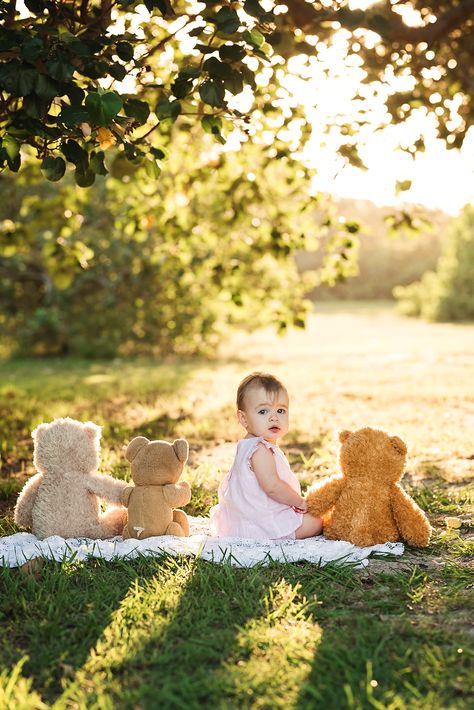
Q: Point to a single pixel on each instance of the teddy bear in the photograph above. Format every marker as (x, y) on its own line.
(365, 503)
(156, 467)
(63, 498)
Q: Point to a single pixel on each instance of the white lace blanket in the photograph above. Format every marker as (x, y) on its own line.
(17, 549)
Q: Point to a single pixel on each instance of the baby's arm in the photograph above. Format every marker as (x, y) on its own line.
(264, 467)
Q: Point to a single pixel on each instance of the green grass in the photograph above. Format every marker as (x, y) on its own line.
(175, 632)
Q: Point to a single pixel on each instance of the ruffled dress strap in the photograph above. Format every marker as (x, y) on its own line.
(254, 446)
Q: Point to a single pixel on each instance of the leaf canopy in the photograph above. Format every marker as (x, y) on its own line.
(64, 65)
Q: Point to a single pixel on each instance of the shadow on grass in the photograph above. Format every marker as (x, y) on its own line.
(378, 650)
(56, 614)
(178, 632)
(178, 657)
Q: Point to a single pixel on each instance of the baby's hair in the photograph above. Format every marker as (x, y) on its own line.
(270, 384)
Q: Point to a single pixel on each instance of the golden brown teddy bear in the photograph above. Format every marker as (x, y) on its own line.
(156, 468)
(365, 504)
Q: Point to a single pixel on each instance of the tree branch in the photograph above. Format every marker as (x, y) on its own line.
(381, 19)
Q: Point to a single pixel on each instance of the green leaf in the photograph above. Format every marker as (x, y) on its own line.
(182, 87)
(73, 152)
(124, 51)
(212, 93)
(197, 31)
(9, 76)
(205, 49)
(232, 52)
(216, 68)
(37, 6)
(227, 20)
(96, 69)
(248, 76)
(159, 153)
(167, 109)
(234, 82)
(73, 115)
(254, 37)
(31, 49)
(26, 81)
(84, 179)
(152, 168)
(189, 72)
(79, 48)
(53, 169)
(137, 109)
(34, 106)
(164, 6)
(118, 71)
(14, 164)
(97, 163)
(253, 8)
(102, 108)
(75, 94)
(213, 125)
(46, 88)
(11, 147)
(60, 69)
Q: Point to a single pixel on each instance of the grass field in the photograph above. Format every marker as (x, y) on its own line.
(175, 633)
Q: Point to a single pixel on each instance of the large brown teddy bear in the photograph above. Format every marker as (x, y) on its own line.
(151, 502)
(64, 497)
(365, 504)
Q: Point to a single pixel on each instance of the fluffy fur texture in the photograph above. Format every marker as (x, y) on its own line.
(156, 468)
(63, 498)
(365, 503)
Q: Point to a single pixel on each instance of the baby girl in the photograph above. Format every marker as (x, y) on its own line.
(261, 497)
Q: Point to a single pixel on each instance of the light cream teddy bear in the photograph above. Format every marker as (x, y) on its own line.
(64, 497)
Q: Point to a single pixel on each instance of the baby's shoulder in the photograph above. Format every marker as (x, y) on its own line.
(261, 455)
(262, 446)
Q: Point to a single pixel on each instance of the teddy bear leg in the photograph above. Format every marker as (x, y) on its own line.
(175, 529)
(113, 521)
(180, 517)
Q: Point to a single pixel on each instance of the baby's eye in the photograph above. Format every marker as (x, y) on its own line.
(282, 411)
(262, 411)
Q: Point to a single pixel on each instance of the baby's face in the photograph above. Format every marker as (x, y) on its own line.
(265, 414)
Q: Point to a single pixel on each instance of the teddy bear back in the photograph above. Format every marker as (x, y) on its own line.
(156, 462)
(372, 453)
(66, 440)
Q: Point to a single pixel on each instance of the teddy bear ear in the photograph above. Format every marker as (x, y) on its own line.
(398, 445)
(343, 435)
(181, 448)
(39, 431)
(134, 447)
(93, 431)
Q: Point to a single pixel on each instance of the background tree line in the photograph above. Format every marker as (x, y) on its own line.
(170, 208)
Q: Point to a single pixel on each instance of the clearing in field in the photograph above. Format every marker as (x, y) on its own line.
(169, 633)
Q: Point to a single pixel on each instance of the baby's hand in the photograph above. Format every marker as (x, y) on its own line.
(302, 508)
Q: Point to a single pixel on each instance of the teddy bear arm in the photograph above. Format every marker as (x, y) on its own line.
(26, 501)
(177, 494)
(106, 487)
(323, 495)
(411, 521)
(125, 495)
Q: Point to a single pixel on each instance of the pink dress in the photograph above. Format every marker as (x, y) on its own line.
(244, 509)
